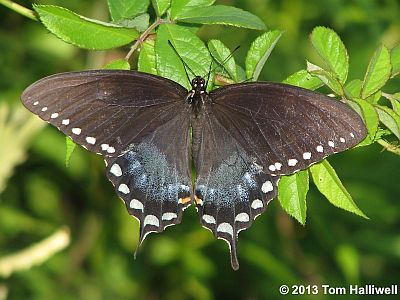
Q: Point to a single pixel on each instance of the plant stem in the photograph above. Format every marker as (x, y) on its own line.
(19, 9)
(389, 147)
(142, 37)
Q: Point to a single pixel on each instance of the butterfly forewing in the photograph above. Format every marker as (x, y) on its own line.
(104, 110)
(286, 128)
(138, 122)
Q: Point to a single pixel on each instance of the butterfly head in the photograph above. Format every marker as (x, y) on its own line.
(198, 85)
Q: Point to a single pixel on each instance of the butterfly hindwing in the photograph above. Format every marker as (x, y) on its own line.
(287, 128)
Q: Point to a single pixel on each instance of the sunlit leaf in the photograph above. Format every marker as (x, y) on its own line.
(371, 120)
(329, 184)
(292, 193)
(220, 14)
(353, 89)
(220, 53)
(395, 60)
(331, 49)
(147, 58)
(190, 48)
(140, 23)
(161, 6)
(124, 9)
(326, 77)
(304, 79)
(83, 32)
(259, 52)
(177, 6)
(118, 64)
(70, 147)
(378, 72)
(389, 118)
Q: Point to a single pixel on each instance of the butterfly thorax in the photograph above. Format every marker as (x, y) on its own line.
(197, 95)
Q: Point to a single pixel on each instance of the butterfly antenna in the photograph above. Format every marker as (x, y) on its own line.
(225, 60)
(184, 63)
(209, 73)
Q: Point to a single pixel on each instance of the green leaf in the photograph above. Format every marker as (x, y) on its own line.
(292, 193)
(147, 58)
(304, 79)
(395, 60)
(394, 101)
(331, 49)
(353, 89)
(188, 45)
(126, 9)
(177, 6)
(378, 72)
(161, 6)
(241, 73)
(118, 64)
(70, 147)
(389, 118)
(83, 32)
(329, 184)
(140, 23)
(370, 117)
(220, 14)
(259, 52)
(326, 77)
(220, 53)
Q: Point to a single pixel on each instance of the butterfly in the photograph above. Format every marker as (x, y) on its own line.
(240, 138)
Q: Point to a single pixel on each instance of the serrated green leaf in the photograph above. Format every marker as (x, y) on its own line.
(83, 32)
(292, 193)
(147, 58)
(126, 9)
(177, 6)
(331, 49)
(140, 23)
(70, 147)
(190, 48)
(329, 184)
(161, 6)
(259, 52)
(220, 53)
(378, 72)
(370, 117)
(394, 101)
(241, 73)
(118, 64)
(220, 14)
(326, 77)
(389, 118)
(374, 98)
(353, 89)
(395, 60)
(304, 79)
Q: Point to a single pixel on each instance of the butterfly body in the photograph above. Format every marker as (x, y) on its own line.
(243, 138)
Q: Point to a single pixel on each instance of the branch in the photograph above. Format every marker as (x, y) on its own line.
(389, 147)
(19, 9)
(142, 37)
(35, 254)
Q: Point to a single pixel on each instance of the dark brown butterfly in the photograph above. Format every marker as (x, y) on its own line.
(244, 137)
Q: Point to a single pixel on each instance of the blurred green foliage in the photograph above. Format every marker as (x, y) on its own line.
(186, 262)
